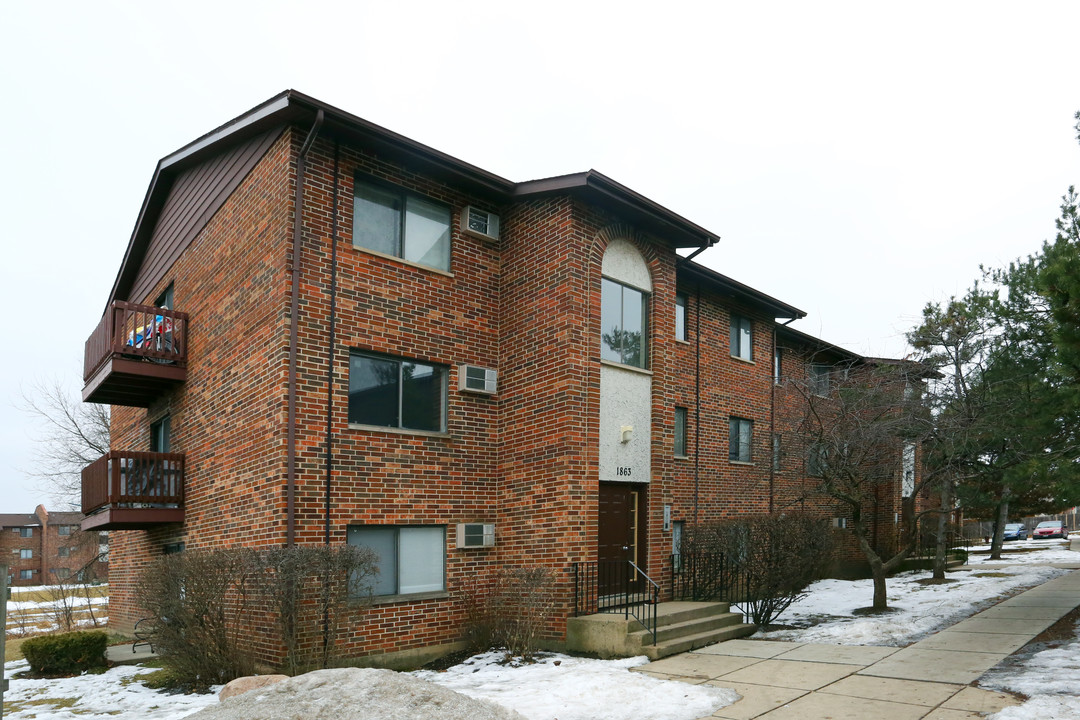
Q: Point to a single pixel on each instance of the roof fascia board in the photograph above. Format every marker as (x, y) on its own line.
(252, 117)
(817, 343)
(727, 285)
(352, 124)
(595, 186)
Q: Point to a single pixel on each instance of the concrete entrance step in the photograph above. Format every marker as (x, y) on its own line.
(681, 626)
(687, 627)
(684, 643)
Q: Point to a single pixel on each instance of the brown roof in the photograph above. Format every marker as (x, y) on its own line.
(688, 269)
(65, 518)
(18, 520)
(294, 108)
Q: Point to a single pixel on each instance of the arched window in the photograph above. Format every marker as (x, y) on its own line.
(624, 305)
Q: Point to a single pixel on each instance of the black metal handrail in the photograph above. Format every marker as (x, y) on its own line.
(955, 544)
(616, 586)
(709, 577)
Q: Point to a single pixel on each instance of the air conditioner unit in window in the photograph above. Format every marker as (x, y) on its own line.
(477, 379)
(475, 535)
(480, 223)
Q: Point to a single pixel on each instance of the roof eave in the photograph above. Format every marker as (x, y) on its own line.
(597, 188)
(738, 290)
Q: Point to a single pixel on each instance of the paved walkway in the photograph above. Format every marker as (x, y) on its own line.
(929, 680)
(124, 655)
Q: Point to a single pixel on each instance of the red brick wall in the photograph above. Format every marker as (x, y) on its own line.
(229, 417)
(386, 477)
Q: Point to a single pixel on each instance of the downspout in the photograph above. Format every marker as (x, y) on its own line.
(772, 425)
(703, 248)
(294, 312)
(697, 397)
(331, 346)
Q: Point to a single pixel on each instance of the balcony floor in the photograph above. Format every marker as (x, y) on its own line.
(111, 518)
(132, 383)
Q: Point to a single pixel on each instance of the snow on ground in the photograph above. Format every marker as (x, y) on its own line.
(825, 613)
(1026, 551)
(572, 688)
(564, 687)
(1050, 678)
(114, 693)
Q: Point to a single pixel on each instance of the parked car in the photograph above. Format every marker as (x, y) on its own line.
(1015, 531)
(1051, 529)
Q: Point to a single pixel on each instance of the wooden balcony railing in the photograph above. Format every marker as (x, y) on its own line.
(136, 352)
(124, 489)
(138, 331)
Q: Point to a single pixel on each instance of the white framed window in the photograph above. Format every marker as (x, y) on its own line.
(65, 530)
(740, 439)
(26, 532)
(412, 558)
(624, 324)
(677, 529)
(817, 457)
(26, 574)
(820, 379)
(680, 431)
(908, 460)
(742, 338)
(397, 393)
(680, 316)
(26, 554)
(61, 573)
(63, 551)
(392, 221)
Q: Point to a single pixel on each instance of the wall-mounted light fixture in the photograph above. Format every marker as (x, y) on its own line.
(626, 432)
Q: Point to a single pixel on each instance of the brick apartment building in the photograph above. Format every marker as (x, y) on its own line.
(423, 345)
(43, 548)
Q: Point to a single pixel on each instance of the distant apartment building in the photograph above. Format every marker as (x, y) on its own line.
(42, 548)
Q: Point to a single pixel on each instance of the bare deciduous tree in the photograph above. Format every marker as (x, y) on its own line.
(72, 435)
(852, 437)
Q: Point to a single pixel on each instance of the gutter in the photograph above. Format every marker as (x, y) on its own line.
(294, 320)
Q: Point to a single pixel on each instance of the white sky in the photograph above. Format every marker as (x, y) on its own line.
(857, 159)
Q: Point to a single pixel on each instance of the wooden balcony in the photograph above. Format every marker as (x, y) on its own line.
(125, 490)
(136, 353)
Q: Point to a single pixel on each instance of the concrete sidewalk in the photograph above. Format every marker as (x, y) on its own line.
(925, 681)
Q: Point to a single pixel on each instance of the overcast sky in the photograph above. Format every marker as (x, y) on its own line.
(857, 159)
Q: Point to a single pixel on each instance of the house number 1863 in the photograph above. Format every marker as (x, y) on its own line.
(624, 471)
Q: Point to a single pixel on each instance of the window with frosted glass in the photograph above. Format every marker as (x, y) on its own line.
(680, 432)
(742, 338)
(411, 559)
(623, 324)
(739, 439)
(393, 222)
(820, 379)
(388, 392)
(680, 316)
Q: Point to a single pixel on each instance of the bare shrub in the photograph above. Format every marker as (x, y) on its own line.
(197, 600)
(311, 590)
(204, 604)
(509, 609)
(768, 560)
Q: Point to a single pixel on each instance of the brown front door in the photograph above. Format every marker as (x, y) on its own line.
(620, 534)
